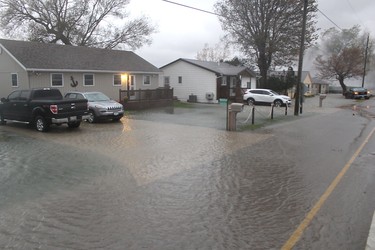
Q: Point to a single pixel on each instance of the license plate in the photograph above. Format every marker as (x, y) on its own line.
(73, 118)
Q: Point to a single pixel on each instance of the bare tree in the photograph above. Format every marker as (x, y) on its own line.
(92, 23)
(217, 53)
(342, 55)
(268, 32)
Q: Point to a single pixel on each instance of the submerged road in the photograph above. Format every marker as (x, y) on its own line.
(177, 181)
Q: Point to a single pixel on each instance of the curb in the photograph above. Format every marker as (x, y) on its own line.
(370, 245)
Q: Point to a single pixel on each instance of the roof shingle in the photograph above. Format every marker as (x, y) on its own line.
(42, 56)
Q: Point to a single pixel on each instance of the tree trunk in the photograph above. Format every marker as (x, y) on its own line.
(342, 84)
(263, 68)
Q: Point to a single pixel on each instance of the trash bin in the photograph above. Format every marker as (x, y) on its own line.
(223, 101)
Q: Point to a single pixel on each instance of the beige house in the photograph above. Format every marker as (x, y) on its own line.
(26, 65)
(314, 85)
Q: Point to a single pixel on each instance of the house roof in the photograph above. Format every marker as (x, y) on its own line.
(218, 68)
(33, 56)
(319, 81)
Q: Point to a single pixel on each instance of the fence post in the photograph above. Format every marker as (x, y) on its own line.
(286, 109)
(272, 106)
(252, 114)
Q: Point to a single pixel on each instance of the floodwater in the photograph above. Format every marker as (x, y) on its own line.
(146, 184)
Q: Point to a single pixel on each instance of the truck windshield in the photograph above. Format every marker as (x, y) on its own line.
(97, 97)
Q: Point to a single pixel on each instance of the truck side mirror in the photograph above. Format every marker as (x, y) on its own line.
(4, 99)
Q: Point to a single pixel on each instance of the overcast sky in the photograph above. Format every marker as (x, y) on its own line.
(182, 32)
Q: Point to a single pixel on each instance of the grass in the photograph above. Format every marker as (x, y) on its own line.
(179, 104)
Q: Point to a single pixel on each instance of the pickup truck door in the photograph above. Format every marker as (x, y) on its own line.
(23, 109)
(10, 105)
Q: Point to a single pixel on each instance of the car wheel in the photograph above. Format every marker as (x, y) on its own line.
(74, 124)
(250, 101)
(41, 124)
(278, 103)
(92, 117)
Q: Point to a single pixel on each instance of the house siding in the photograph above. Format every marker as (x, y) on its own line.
(103, 82)
(9, 66)
(195, 81)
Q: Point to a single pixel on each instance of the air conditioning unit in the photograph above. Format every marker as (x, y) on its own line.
(209, 96)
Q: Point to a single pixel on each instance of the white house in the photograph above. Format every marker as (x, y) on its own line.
(202, 81)
(31, 65)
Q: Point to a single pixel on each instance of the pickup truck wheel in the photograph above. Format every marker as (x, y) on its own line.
(92, 117)
(2, 121)
(74, 124)
(41, 124)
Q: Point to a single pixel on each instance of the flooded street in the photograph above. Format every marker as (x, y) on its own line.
(151, 183)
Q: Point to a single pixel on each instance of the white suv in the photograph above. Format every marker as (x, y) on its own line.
(266, 96)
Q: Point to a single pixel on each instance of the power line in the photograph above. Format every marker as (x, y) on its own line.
(329, 19)
(190, 7)
(356, 14)
(213, 13)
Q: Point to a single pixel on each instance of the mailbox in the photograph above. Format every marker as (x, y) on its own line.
(236, 107)
(322, 96)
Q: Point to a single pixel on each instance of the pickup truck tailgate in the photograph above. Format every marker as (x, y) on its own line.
(72, 108)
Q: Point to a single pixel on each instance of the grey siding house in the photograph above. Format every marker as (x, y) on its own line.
(30, 65)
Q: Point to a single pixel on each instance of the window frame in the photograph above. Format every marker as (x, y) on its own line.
(62, 80)
(167, 80)
(180, 79)
(149, 80)
(84, 80)
(114, 82)
(12, 83)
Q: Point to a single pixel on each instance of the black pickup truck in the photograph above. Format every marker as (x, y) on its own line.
(41, 108)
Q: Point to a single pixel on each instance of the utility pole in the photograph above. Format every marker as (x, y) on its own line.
(364, 68)
(298, 103)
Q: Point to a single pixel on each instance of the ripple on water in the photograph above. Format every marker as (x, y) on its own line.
(144, 188)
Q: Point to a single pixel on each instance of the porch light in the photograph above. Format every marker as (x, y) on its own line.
(124, 78)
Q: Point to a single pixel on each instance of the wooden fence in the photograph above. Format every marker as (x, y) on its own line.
(146, 98)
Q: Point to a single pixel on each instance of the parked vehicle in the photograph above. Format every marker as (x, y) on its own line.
(101, 107)
(308, 94)
(265, 96)
(41, 108)
(357, 93)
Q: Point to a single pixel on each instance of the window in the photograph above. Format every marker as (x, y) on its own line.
(88, 80)
(24, 95)
(14, 80)
(117, 80)
(146, 80)
(180, 79)
(57, 80)
(166, 79)
(223, 81)
(14, 96)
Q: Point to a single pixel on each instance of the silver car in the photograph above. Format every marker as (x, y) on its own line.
(101, 107)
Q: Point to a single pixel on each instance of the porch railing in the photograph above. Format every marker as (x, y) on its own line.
(146, 98)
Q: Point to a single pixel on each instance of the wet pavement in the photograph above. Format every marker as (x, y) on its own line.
(176, 179)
